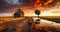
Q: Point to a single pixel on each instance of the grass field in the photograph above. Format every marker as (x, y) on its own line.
(6, 20)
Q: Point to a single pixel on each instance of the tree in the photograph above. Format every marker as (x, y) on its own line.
(37, 12)
(18, 13)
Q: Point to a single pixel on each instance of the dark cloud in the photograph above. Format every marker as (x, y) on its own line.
(2, 1)
(3, 11)
(54, 2)
(5, 5)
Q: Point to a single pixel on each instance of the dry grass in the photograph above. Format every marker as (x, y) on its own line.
(6, 20)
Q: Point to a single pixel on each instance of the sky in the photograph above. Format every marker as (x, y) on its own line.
(47, 7)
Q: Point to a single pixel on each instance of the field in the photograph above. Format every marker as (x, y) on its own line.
(9, 24)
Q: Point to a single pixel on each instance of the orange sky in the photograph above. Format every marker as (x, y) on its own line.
(29, 10)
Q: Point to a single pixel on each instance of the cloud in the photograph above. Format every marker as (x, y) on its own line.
(54, 2)
(5, 5)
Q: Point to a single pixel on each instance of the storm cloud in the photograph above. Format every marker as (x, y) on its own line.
(54, 2)
(5, 5)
